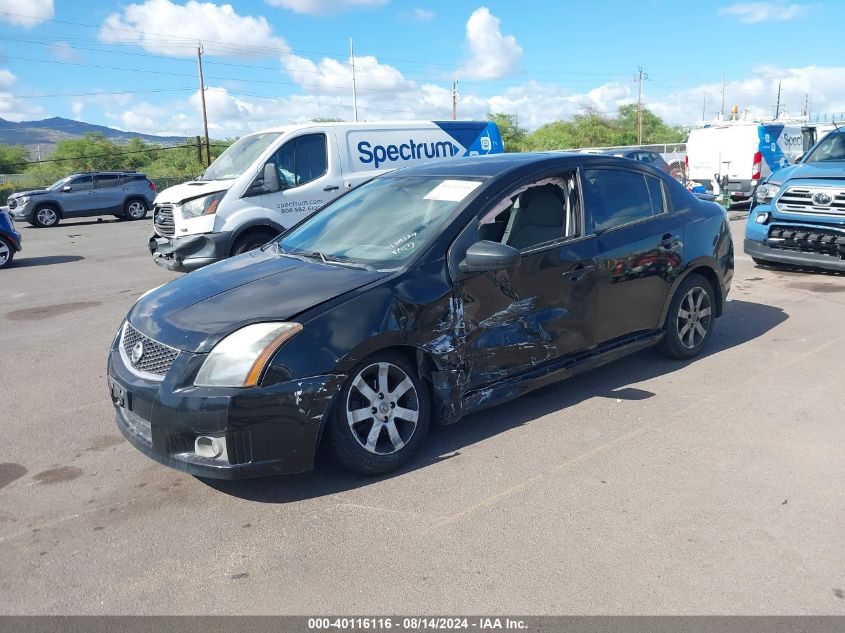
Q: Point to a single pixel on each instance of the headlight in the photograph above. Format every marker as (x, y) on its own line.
(239, 359)
(202, 206)
(23, 200)
(766, 192)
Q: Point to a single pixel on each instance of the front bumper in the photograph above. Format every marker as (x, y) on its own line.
(763, 251)
(267, 430)
(184, 254)
(23, 213)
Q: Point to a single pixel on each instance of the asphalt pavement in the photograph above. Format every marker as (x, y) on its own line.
(645, 487)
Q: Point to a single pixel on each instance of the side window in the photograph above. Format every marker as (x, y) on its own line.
(107, 180)
(615, 197)
(82, 183)
(301, 160)
(545, 211)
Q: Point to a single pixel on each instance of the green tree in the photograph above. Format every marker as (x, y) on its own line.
(654, 128)
(512, 134)
(13, 159)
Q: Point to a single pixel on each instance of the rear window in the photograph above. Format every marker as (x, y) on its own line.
(615, 197)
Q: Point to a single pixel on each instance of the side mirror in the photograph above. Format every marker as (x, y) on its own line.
(487, 256)
(799, 158)
(67, 188)
(266, 182)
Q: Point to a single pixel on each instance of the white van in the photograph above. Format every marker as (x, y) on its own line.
(268, 181)
(744, 151)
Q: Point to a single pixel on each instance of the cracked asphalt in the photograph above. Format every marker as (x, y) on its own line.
(644, 487)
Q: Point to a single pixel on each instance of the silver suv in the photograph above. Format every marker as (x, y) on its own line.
(121, 194)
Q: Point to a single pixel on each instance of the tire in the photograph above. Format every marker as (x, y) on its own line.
(250, 241)
(356, 440)
(135, 209)
(7, 253)
(690, 320)
(45, 216)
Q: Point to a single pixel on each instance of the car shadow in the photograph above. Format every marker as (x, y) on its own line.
(742, 321)
(47, 260)
(67, 222)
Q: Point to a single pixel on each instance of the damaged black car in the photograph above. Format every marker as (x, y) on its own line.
(423, 295)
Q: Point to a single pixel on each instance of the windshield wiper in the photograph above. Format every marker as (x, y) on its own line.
(318, 256)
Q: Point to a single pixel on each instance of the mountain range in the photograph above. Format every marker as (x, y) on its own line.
(47, 132)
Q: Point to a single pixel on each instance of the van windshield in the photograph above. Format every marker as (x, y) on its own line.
(831, 147)
(239, 156)
(381, 224)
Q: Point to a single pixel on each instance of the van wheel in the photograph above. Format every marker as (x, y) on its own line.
(689, 322)
(381, 416)
(45, 216)
(135, 209)
(251, 240)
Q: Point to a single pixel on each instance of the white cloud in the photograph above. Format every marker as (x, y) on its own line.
(164, 27)
(12, 108)
(492, 55)
(423, 15)
(753, 12)
(26, 13)
(331, 76)
(63, 52)
(77, 107)
(322, 7)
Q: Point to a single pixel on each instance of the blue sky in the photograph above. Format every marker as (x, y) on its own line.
(132, 65)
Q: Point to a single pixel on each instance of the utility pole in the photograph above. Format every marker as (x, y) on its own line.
(199, 150)
(777, 106)
(807, 106)
(704, 109)
(204, 114)
(640, 77)
(455, 99)
(723, 96)
(354, 87)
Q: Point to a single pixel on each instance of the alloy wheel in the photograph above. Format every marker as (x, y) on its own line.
(136, 210)
(694, 317)
(4, 253)
(382, 408)
(47, 216)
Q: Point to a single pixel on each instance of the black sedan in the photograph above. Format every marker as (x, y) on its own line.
(416, 298)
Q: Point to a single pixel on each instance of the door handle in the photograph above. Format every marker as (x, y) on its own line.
(579, 272)
(669, 241)
(331, 188)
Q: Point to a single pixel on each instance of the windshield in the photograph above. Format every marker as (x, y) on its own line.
(831, 147)
(59, 183)
(239, 156)
(382, 223)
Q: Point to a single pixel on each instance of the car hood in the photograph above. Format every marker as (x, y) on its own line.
(192, 189)
(34, 192)
(197, 310)
(808, 171)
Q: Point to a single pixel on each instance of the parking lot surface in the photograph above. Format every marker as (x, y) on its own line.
(645, 487)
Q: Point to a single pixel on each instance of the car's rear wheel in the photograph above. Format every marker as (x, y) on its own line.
(690, 320)
(381, 416)
(45, 216)
(7, 253)
(135, 209)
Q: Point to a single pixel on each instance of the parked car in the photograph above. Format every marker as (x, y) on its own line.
(416, 298)
(646, 156)
(127, 195)
(798, 215)
(10, 240)
(266, 182)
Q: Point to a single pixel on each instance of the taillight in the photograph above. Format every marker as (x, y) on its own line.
(758, 164)
(152, 185)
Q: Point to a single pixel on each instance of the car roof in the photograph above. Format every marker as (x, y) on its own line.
(106, 171)
(494, 165)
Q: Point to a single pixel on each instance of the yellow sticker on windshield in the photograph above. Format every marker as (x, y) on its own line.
(452, 190)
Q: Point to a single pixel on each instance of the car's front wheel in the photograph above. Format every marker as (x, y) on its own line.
(381, 416)
(45, 216)
(7, 253)
(689, 323)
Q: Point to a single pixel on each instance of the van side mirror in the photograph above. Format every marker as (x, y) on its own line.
(799, 158)
(485, 256)
(266, 182)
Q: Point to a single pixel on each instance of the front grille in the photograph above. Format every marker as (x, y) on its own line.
(155, 359)
(163, 220)
(817, 200)
(239, 447)
(809, 239)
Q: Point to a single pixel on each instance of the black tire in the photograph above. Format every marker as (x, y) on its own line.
(348, 439)
(682, 335)
(45, 216)
(251, 240)
(7, 253)
(135, 209)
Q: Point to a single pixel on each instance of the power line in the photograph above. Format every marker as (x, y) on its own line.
(98, 92)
